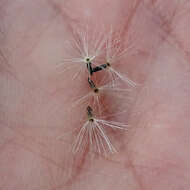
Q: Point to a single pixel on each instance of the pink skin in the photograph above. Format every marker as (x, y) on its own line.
(34, 100)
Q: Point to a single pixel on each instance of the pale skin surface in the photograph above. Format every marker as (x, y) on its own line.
(154, 154)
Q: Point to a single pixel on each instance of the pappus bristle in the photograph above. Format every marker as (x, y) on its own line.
(114, 53)
(83, 49)
(98, 93)
(93, 134)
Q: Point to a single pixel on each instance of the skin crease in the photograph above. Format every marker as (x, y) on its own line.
(34, 99)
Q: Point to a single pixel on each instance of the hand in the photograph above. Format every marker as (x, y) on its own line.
(35, 98)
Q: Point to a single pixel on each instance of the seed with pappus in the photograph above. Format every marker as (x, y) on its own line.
(83, 49)
(98, 93)
(93, 134)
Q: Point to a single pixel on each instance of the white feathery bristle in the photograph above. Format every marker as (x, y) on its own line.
(82, 49)
(93, 134)
(112, 88)
(117, 75)
(114, 53)
(114, 50)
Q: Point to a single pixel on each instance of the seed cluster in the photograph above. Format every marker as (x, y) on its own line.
(93, 132)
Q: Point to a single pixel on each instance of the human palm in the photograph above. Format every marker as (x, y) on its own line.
(35, 98)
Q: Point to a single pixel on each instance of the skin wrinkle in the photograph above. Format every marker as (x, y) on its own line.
(9, 66)
(38, 154)
(171, 25)
(3, 58)
(127, 165)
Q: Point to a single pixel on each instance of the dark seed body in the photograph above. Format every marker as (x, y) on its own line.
(91, 120)
(99, 68)
(91, 83)
(89, 67)
(89, 112)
